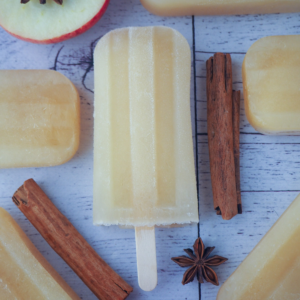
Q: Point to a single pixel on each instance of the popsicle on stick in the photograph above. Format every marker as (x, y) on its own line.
(272, 270)
(219, 7)
(271, 72)
(39, 118)
(144, 172)
(24, 272)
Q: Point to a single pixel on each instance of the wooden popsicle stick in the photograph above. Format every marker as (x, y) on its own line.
(146, 257)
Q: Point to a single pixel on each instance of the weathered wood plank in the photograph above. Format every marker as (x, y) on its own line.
(235, 34)
(264, 167)
(267, 162)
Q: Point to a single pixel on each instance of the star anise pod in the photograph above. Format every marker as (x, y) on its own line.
(60, 2)
(199, 263)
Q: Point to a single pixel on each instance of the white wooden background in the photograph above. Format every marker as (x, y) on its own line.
(270, 177)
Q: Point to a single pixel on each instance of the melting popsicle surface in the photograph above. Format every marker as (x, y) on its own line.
(39, 118)
(143, 150)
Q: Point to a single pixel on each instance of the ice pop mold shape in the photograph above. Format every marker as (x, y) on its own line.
(39, 118)
(271, 72)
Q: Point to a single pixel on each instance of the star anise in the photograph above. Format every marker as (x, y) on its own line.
(199, 263)
(60, 2)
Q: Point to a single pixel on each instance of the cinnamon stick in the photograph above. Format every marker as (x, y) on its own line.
(236, 145)
(67, 242)
(222, 122)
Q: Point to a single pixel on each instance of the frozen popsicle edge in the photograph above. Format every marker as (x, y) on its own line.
(272, 269)
(219, 7)
(25, 273)
(67, 242)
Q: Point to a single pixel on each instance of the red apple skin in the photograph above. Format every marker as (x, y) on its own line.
(69, 35)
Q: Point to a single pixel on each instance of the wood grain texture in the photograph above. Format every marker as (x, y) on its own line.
(269, 165)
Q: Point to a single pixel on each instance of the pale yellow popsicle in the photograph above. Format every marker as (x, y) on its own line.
(144, 170)
(272, 270)
(39, 118)
(219, 7)
(271, 72)
(24, 272)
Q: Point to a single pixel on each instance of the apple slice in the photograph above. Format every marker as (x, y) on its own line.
(50, 22)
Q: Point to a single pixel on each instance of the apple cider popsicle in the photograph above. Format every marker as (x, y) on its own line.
(39, 118)
(24, 272)
(272, 270)
(144, 172)
(271, 72)
(219, 7)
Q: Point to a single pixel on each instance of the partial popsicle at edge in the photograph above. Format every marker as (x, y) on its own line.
(271, 72)
(219, 7)
(24, 272)
(272, 270)
(39, 118)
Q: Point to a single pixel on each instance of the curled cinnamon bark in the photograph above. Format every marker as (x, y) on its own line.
(223, 136)
(236, 96)
(69, 244)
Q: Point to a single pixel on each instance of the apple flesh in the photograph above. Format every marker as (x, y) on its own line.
(50, 22)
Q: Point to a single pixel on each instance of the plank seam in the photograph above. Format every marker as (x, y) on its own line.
(196, 132)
